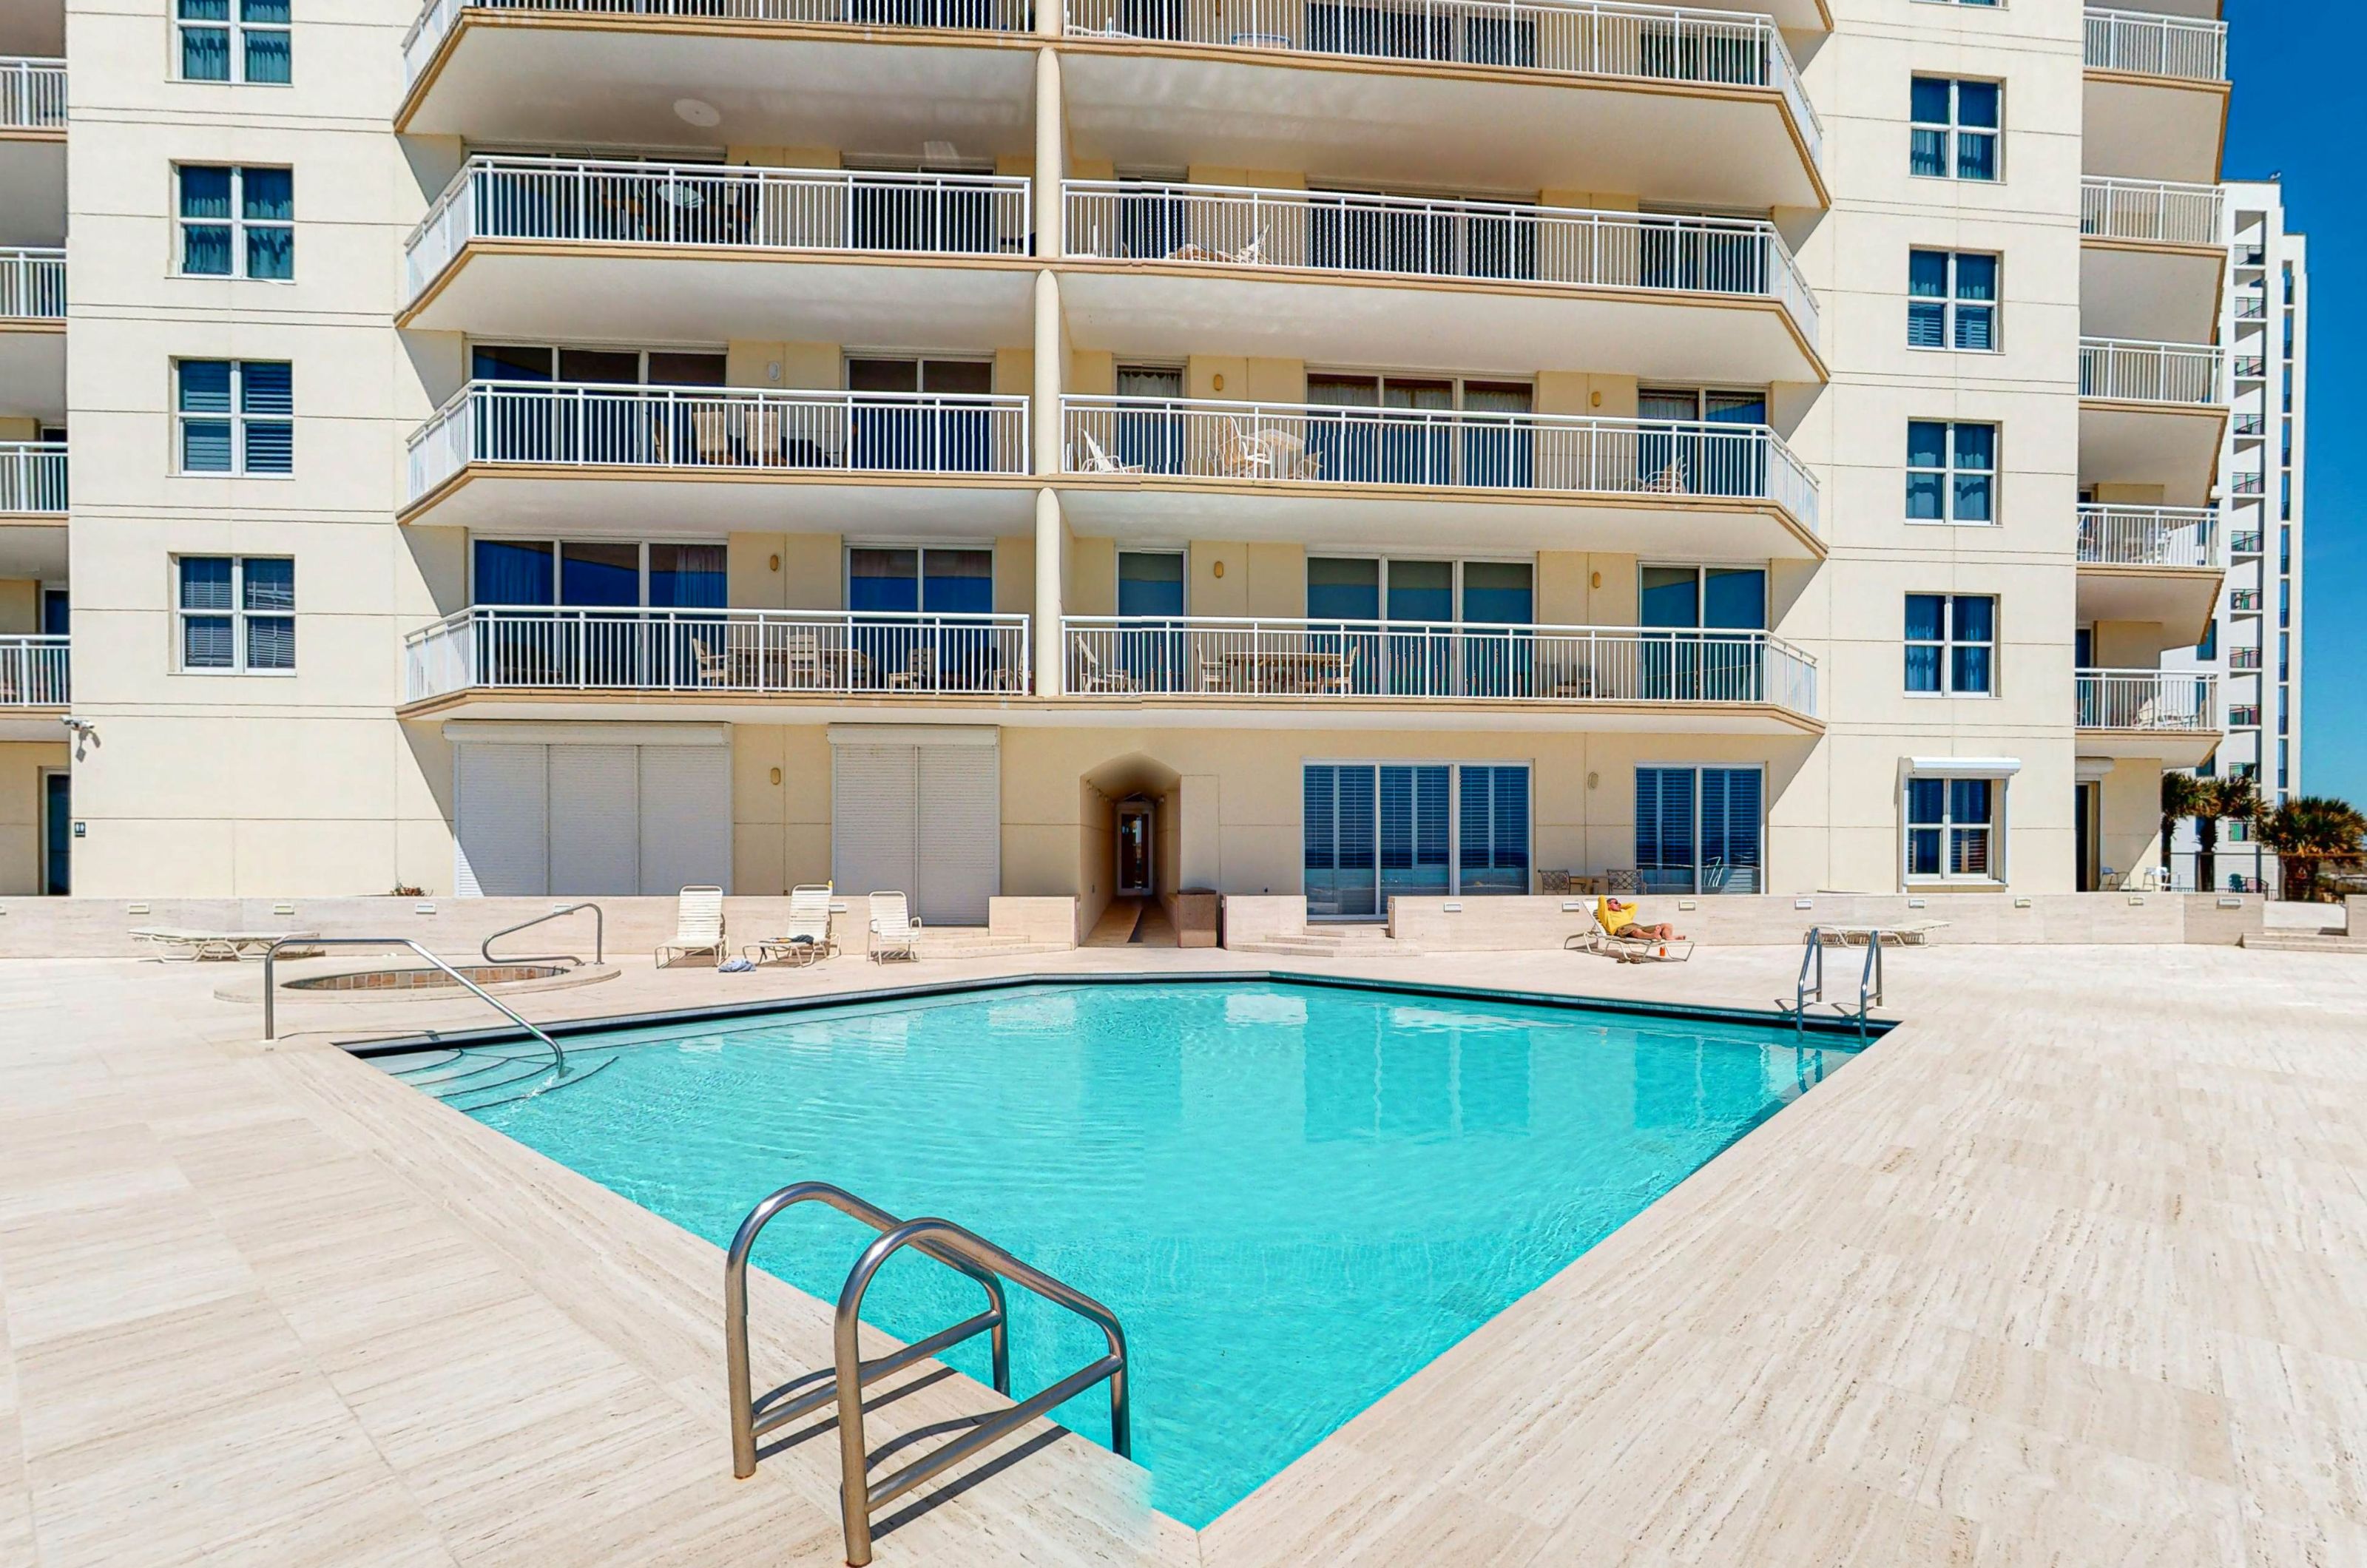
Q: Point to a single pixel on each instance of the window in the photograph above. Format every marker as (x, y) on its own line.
(1951, 300)
(2208, 648)
(1952, 830)
(1956, 126)
(1372, 830)
(1698, 830)
(237, 222)
(238, 613)
(235, 416)
(1951, 472)
(1404, 430)
(252, 47)
(597, 573)
(1951, 644)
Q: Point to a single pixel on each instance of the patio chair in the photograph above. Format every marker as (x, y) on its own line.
(713, 668)
(805, 938)
(1342, 680)
(920, 671)
(1601, 938)
(801, 665)
(895, 930)
(1093, 675)
(698, 926)
(1100, 462)
(1247, 454)
(1669, 480)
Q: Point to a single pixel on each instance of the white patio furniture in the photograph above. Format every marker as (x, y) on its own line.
(895, 930)
(698, 926)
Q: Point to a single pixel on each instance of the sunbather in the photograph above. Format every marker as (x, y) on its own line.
(1619, 919)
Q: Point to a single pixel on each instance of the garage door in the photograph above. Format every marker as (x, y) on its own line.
(918, 811)
(569, 819)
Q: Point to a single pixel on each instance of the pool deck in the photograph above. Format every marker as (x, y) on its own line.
(2071, 1269)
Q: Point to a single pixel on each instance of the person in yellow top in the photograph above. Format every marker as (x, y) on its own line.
(1619, 919)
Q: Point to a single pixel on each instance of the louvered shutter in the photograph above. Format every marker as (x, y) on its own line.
(873, 819)
(960, 833)
(595, 836)
(500, 833)
(685, 819)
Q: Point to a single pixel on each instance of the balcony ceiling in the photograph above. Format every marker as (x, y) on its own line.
(1433, 325)
(1366, 120)
(1376, 516)
(2150, 293)
(2165, 748)
(644, 294)
(32, 187)
(2179, 600)
(614, 82)
(34, 548)
(2154, 128)
(33, 371)
(624, 503)
(2132, 444)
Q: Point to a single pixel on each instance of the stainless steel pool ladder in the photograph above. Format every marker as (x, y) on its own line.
(1811, 991)
(958, 1249)
(599, 937)
(271, 991)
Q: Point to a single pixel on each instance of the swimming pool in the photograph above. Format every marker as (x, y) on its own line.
(1293, 1195)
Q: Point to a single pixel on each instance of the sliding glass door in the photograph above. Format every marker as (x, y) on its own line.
(1374, 830)
(1700, 829)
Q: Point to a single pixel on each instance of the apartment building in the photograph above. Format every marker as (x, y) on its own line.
(1094, 447)
(2253, 644)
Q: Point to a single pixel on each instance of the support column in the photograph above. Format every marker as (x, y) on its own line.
(1051, 153)
(1051, 594)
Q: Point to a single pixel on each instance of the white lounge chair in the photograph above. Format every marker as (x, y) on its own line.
(1097, 461)
(174, 946)
(895, 930)
(806, 938)
(699, 925)
(1625, 948)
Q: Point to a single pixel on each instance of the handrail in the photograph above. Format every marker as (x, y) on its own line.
(1869, 982)
(956, 1247)
(599, 937)
(271, 957)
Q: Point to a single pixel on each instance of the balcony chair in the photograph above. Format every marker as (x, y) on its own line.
(801, 661)
(1094, 676)
(1669, 480)
(920, 671)
(1100, 462)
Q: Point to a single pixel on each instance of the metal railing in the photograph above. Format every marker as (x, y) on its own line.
(1224, 658)
(1405, 236)
(2245, 543)
(2150, 535)
(2174, 700)
(33, 476)
(1594, 38)
(693, 428)
(1809, 991)
(2243, 659)
(959, 1248)
(1449, 448)
(2245, 601)
(271, 989)
(2147, 44)
(35, 672)
(2180, 373)
(32, 95)
(438, 17)
(2157, 210)
(33, 284)
(719, 205)
(753, 652)
(599, 937)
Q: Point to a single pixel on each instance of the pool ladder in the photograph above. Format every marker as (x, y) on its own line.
(1811, 989)
(842, 1381)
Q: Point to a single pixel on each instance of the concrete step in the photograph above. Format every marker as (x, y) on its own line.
(2302, 941)
(1329, 945)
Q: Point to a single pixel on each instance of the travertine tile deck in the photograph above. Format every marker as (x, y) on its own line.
(2070, 1269)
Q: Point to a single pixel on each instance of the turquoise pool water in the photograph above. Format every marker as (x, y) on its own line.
(1293, 1196)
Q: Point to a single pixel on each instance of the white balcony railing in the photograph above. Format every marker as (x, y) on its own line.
(749, 652)
(33, 476)
(32, 284)
(1228, 660)
(2145, 44)
(2182, 701)
(1594, 38)
(2154, 210)
(2183, 537)
(718, 206)
(33, 673)
(2179, 373)
(694, 429)
(438, 17)
(32, 95)
(1456, 450)
(1401, 236)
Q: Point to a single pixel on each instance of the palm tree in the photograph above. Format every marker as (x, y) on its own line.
(2235, 799)
(2312, 833)
(2183, 796)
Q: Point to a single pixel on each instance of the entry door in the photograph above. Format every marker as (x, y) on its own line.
(1133, 849)
(57, 830)
(2083, 812)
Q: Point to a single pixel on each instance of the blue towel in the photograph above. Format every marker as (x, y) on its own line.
(735, 967)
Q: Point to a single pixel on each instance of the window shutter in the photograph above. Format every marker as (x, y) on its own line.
(595, 840)
(874, 819)
(500, 833)
(960, 833)
(685, 818)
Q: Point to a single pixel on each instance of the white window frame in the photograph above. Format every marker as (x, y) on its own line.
(2000, 795)
(237, 29)
(237, 417)
(1950, 471)
(1954, 130)
(1701, 570)
(238, 614)
(1953, 304)
(1696, 767)
(237, 222)
(1949, 642)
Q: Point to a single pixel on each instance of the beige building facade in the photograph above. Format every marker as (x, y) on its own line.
(1107, 449)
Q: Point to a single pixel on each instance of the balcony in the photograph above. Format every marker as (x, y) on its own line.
(724, 73)
(32, 480)
(33, 333)
(2152, 413)
(2169, 716)
(621, 458)
(560, 660)
(690, 253)
(33, 149)
(2157, 95)
(1697, 681)
(2155, 564)
(34, 687)
(1402, 477)
(2152, 256)
(1694, 106)
(1342, 278)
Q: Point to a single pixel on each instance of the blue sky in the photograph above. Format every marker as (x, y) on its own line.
(2296, 82)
